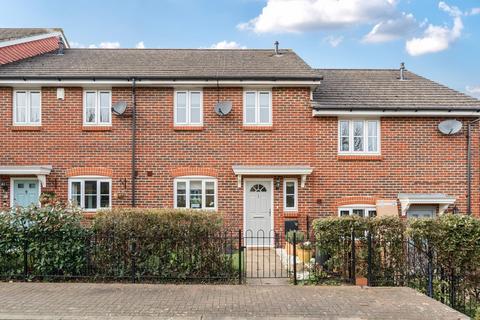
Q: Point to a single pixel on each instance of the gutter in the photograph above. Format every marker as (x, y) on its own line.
(399, 112)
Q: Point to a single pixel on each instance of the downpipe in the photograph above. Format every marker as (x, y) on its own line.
(134, 143)
(469, 165)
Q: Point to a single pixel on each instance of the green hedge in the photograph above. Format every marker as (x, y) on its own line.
(53, 237)
(176, 244)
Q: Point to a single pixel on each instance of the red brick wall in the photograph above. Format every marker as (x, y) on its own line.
(415, 157)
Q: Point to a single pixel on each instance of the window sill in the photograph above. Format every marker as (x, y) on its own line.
(97, 128)
(360, 157)
(257, 128)
(188, 128)
(26, 128)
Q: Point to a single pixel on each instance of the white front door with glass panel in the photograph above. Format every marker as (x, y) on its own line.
(258, 212)
(25, 192)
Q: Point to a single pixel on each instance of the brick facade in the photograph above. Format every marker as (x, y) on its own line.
(415, 157)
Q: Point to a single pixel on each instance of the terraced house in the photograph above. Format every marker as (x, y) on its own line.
(257, 135)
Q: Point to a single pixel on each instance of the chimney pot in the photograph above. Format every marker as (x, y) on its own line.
(402, 71)
(276, 47)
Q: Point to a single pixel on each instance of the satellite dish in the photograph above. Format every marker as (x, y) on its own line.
(450, 127)
(222, 108)
(119, 108)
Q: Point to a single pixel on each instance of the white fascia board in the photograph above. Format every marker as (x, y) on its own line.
(25, 170)
(158, 83)
(284, 171)
(400, 113)
(34, 38)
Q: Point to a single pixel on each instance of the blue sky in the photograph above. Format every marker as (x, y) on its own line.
(439, 40)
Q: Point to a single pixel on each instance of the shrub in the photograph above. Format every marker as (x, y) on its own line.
(166, 244)
(53, 237)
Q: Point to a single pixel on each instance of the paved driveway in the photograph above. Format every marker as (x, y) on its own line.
(143, 301)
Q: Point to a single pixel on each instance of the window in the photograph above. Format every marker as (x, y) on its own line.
(188, 107)
(359, 136)
(196, 193)
(359, 210)
(257, 108)
(290, 194)
(90, 194)
(27, 107)
(97, 107)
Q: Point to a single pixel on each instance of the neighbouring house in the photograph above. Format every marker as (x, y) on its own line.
(257, 135)
(20, 43)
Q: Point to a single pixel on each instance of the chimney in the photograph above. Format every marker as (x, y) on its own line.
(402, 71)
(61, 46)
(276, 48)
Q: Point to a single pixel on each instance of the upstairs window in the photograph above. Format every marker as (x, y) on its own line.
(359, 136)
(257, 108)
(188, 108)
(97, 107)
(90, 194)
(27, 107)
(196, 193)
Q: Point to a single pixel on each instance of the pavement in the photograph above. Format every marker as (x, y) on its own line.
(88, 301)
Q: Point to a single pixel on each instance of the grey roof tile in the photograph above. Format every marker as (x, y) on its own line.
(164, 63)
(382, 89)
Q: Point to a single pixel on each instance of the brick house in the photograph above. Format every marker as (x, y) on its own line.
(298, 143)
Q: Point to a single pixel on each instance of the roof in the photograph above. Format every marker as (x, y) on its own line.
(364, 89)
(7, 34)
(164, 64)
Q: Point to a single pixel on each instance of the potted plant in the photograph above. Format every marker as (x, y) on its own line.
(304, 251)
(299, 237)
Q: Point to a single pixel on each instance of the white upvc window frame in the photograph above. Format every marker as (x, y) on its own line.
(188, 121)
(366, 136)
(295, 195)
(257, 93)
(187, 180)
(82, 180)
(350, 208)
(28, 107)
(97, 93)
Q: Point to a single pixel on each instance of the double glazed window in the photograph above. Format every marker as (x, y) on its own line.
(366, 212)
(90, 194)
(27, 107)
(290, 194)
(257, 108)
(359, 136)
(97, 107)
(188, 107)
(196, 193)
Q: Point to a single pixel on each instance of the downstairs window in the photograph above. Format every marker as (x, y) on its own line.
(196, 193)
(90, 194)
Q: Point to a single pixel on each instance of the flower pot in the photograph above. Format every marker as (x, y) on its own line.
(304, 254)
(361, 281)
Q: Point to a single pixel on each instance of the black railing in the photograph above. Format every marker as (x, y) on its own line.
(109, 257)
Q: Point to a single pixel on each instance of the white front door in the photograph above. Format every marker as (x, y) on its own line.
(258, 212)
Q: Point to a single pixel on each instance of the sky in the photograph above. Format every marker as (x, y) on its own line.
(436, 39)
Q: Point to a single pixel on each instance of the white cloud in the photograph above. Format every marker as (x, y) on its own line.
(437, 38)
(392, 29)
(227, 45)
(334, 41)
(474, 91)
(106, 45)
(473, 12)
(294, 16)
(140, 45)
